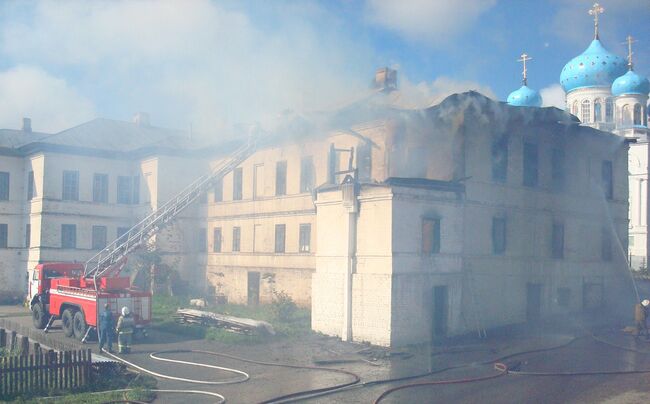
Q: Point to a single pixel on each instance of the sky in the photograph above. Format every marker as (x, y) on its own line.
(211, 65)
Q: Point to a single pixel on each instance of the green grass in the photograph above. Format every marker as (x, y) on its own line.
(95, 398)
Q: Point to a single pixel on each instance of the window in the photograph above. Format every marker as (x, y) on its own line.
(3, 235)
(598, 106)
(557, 241)
(306, 174)
(606, 244)
(100, 188)
(607, 179)
(281, 178)
(498, 235)
(99, 237)
(218, 190)
(500, 159)
(28, 235)
(216, 246)
(530, 165)
(68, 236)
(557, 169)
(585, 112)
(430, 236)
(202, 240)
(136, 190)
(626, 116)
(280, 232)
(563, 297)
(574, 108)
(31, 190)
(609, 110)
(305, 238)
(71, 185)
(124, 189)
(122, 231)
(630, 241)
(4, 186)
(237, 176)
(364, 162)
(333, 165)
(236, 239)
(637, 114)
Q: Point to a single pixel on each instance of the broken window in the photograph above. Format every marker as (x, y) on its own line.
(236, 239)
(68, 236)
(557, 241)
(500, 159)
(498, 235)
(430, 236)
(71, 185)
(305, 238)
(280, 232)
(237, 176)
(100, 188)
(530, 165)
(218, 190)
(364, 162)
(607, 179)
(3, 235)
(28, 235)
(563, 297)
(306, 174)
(606, 244)
(4, 186)
(202, 240)
(31, 189)
(99, 237)
(557, 169)
(124, 189)
(216, 246)
(281, 178)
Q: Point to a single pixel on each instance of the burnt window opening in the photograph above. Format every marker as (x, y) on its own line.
(236, 239)
(500, 160)
(306, 174)
(280, 233)
(202, 240)
(4, 234)
(70, 186)
(28, 235)
(31, 187)
(558, 169)
(218, 191)
(607, 180)
(216, 246)
(606, 244)
(430, 236)
(305, 238)
(99, 237)
(563, 297)
(100, 188)
(557, 241)
(237, 177)
(364, 162)
(4, 186)
(124, 190)
(68, 236)
(281, 178)
(498, 235)
(531, 156)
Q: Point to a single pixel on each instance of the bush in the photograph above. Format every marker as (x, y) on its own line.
(283, 306)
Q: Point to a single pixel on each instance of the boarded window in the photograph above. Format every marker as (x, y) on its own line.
(4, 186)
(280, 233)
(500, 160)
(216, 246)
(607, 179)
(557, 169)
(606, 244)
(236, 239)
(202, 240)
(28, 235)
(498, 235)
(71, 185)
(31, 187)
(100, 188)
(3, 235)
(99, 237)
(68, 236)
(364, 162)
(306, 174)
(218, 190)
(563, 297)
(530, 165)
(430, 236)
(124, 189)
(237, 177)
(557, 241)
(305, 238)
(281, 178)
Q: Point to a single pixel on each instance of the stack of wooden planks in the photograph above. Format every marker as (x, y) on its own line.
(235, 324)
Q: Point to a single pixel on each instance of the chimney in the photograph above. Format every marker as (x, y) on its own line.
(141, 119)
(386, 79)
(27, 125)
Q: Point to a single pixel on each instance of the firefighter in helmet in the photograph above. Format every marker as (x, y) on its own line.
(640, 316)
(125, 328)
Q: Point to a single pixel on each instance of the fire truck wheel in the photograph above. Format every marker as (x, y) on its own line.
(39, 316)
(79, 325)
(66, 322)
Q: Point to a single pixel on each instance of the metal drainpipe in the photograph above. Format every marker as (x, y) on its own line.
(349, 192)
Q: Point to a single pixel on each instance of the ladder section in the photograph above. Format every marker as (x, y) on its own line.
(114, 254)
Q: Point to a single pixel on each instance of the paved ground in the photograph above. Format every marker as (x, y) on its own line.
(582, 354)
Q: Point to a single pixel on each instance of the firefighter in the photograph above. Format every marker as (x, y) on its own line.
(106, 324)
(125, 327)
(640, 316)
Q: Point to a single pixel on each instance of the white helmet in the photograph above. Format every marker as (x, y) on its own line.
(126, 311)
(645, 303)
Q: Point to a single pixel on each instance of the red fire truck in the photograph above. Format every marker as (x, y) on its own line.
(76, 293)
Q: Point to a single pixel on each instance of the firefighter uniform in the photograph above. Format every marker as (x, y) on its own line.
(640, 315)
(125, 328)
(106, 329)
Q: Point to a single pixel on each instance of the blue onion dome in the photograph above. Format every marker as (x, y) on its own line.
(631, 83)
(525, 97)
(595, 67)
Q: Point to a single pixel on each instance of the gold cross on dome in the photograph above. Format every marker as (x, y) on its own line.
(595, 10)
(524, 58)
(629, 41)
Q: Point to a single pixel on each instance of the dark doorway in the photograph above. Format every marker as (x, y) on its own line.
(253, 288)
(533, 301)
(592, 296)
(440, 303)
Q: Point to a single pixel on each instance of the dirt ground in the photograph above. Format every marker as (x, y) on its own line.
(471, 358)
